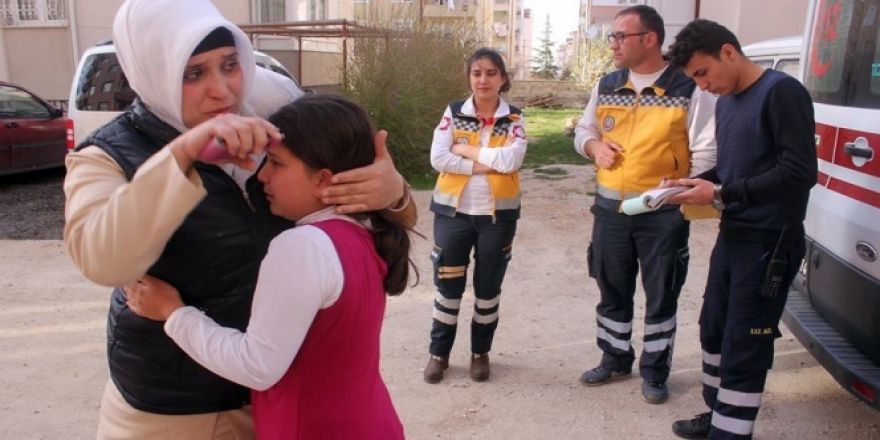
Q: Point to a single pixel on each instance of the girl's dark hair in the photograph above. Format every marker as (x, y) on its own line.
(496, 59)
(333, 132)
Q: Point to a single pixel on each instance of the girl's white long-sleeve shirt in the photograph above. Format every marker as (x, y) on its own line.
(300, 275)
(476, 199)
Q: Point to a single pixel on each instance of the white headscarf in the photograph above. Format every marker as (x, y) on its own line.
(155, 39)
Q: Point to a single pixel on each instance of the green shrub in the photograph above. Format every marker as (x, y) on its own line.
(405, 81)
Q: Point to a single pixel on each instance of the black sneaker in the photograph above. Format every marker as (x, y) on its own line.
(601, 375)
(697, 427)
(654, 392)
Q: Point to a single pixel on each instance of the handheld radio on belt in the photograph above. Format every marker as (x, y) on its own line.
(775, 274)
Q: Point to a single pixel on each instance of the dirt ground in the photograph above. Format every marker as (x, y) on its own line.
(52, 347)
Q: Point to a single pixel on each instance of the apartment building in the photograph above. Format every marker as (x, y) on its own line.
(566, 52)
(523, 43)
(503, 24)
(41, 40)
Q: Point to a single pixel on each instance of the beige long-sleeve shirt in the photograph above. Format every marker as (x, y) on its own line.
(115, 229)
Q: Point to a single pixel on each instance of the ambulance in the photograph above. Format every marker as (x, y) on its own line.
(834, 307)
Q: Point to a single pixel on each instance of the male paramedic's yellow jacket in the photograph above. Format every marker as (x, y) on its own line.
(504, 186)
(652, 128)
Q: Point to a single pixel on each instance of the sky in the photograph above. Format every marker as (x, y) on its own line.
(563, 19)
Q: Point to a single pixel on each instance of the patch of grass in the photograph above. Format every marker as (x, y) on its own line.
(547, 143)
(422, 180)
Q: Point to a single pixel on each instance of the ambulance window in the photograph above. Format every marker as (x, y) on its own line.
(842, 65)
(789, 66)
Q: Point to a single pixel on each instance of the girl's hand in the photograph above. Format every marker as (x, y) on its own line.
(152, 298)
(242, 136)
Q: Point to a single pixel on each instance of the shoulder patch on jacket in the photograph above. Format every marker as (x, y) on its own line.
(445, 123)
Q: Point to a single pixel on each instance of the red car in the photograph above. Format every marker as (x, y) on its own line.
(33, 133)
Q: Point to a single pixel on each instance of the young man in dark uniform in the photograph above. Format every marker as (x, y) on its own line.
(765, 169)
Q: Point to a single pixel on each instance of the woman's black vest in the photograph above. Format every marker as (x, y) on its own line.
(213, 259)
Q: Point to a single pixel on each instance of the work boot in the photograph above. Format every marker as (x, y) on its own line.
(697, 427)
(480, 367)
(435, 368)
(601, 375)
(654, 392)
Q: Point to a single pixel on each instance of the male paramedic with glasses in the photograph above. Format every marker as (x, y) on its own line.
(643, 123)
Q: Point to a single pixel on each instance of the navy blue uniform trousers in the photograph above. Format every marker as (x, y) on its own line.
(738, 327)
(491, 240)
(621, 244)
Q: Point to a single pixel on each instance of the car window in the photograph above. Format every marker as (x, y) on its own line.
(789, 66)
(102, 85)
(16, 103)
(843, 65)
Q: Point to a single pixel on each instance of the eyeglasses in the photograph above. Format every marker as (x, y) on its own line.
(620, 36)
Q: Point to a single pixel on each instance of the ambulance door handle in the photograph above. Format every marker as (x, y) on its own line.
(859, 148)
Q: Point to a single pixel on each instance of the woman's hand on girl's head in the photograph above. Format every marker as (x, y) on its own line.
(152, 298)
(242, 136)
(370, 188)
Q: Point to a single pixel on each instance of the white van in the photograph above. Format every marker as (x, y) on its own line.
(100, 91)
(782, 54)
(834, 308)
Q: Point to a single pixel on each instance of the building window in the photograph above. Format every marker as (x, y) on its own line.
(317, 9)
(33, 12)
(107, 87)
(272, 11)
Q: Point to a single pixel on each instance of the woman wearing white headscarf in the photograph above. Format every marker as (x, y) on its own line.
(140, 205)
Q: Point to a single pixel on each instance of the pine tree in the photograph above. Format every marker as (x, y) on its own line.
(543, 65)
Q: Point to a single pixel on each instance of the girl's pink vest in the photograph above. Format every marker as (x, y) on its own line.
(333, 389)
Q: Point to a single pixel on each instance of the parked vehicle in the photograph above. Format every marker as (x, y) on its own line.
(100, 91)
(32, 132)
(782, 54)
(834, 308)
(267, 62)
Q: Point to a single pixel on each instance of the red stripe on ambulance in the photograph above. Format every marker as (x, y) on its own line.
(831, 146)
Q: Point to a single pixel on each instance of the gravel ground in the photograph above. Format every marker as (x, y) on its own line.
(32, 205)
(52, 339)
